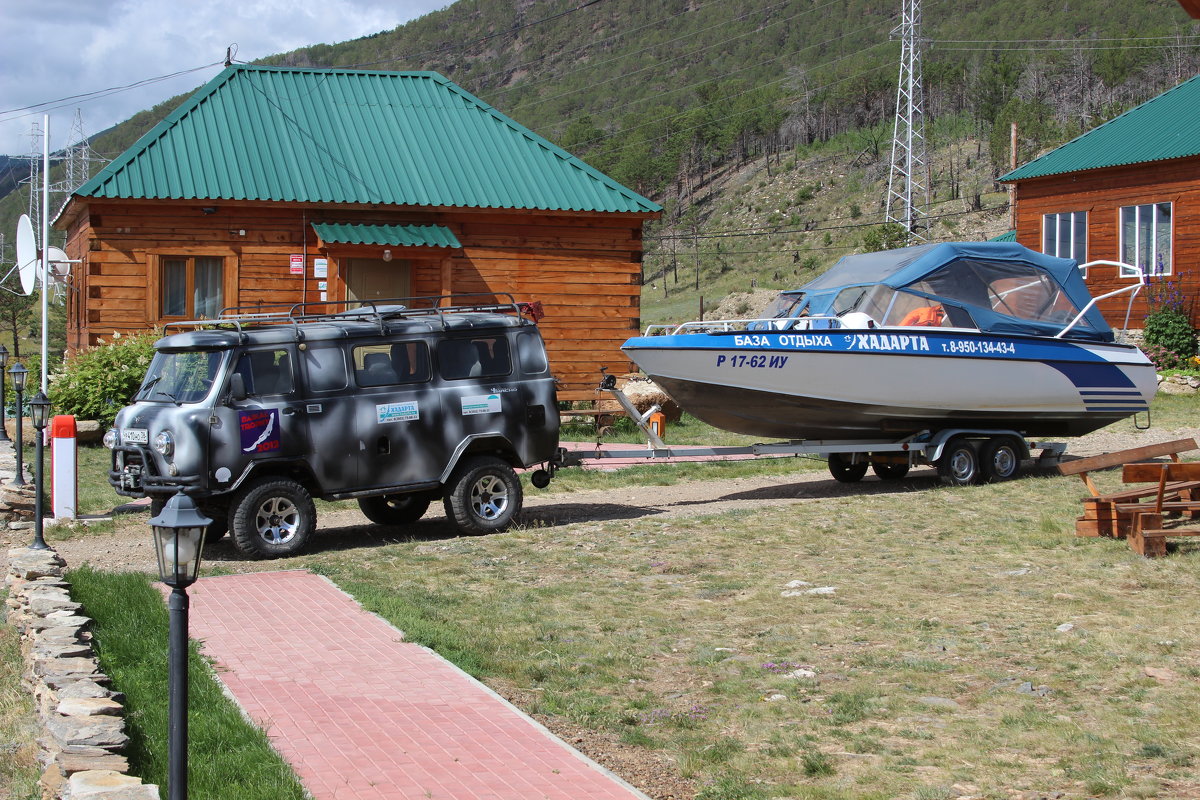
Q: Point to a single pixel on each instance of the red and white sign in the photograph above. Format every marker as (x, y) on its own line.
(297, 265)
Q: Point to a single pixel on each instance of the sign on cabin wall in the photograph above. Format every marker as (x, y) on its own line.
(297, 264)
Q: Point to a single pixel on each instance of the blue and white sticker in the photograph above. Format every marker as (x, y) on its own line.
(480, 404)
(398, 412)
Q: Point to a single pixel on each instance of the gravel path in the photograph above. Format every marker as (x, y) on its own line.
(128, 547)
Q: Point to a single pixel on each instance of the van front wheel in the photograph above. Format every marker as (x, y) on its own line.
(272, 518)
(483, 495)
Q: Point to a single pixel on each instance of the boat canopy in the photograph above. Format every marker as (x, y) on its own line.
(997, 287)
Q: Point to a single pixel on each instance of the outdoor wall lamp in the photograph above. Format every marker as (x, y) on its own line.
(19, 376)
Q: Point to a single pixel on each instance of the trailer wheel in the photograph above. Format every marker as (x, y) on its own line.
(483, 495)
(886, 471)
(394, 509)
(845, 470)
(1000, 459)
(959, 464)
(272, 518)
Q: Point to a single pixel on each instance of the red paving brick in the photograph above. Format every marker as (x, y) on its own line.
(360, 713)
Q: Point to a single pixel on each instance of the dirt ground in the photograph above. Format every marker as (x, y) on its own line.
(129, 548)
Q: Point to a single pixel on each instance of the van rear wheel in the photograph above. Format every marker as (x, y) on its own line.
(483, 495)
(394, 509)
(272, 518)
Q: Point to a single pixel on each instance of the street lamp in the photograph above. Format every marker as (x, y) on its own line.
(178, 542)
(3, 364)
(39, 410)
(19, 376)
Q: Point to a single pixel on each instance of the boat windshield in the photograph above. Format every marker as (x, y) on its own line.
(784, 306)
(184, 377)
(1015, 290)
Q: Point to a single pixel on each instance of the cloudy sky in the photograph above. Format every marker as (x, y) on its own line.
(55, 50)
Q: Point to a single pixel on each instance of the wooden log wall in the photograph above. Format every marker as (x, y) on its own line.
(1102, 193)
(584, 268)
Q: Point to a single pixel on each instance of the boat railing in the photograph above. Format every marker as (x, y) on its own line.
(1133, 288)
(765, 325)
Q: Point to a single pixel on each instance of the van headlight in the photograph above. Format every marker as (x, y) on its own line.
(110, 438)
(164, 444)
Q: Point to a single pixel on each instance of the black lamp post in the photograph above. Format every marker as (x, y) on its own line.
(19, 376)
(178, 542)
(39, 411)
(3, 401)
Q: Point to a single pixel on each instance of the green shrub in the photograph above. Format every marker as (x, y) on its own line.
(95, 383)
(1168, 330)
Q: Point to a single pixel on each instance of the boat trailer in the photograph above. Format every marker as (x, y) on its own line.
(962, 456)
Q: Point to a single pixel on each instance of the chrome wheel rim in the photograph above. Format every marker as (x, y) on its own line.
(489, 497)
(277, 520)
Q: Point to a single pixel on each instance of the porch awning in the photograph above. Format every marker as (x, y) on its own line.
(387, 235)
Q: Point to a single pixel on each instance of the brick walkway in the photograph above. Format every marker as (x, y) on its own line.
(359, 713)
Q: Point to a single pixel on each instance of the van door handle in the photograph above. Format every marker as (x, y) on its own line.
(289, 411)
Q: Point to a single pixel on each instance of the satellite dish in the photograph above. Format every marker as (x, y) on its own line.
(27, 255)
(58, 261)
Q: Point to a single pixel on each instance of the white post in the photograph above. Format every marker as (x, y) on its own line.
(64, 468)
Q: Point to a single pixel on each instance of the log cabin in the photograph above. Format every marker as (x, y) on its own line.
(278, 185)
(1127, 191)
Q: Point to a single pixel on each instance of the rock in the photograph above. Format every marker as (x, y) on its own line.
(90, 707)
(804, 673)
(100, 731)
(821, 590)
(71, 763)
(85, 689)
(109, 785)
(1162, 674)
(796, 584)
(940, 702)
(774, 697)
(1066, 627)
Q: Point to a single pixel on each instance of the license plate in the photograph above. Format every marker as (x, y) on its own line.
(134, 436)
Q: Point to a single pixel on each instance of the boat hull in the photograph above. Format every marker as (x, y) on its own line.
(892, 383)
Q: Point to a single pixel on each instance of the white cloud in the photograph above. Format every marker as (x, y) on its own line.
(61, 48)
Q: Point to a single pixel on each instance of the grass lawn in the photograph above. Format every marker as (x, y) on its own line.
(960, 641)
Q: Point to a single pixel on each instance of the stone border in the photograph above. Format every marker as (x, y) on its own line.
(83, 725)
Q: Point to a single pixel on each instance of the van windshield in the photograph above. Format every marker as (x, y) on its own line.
(181, 377)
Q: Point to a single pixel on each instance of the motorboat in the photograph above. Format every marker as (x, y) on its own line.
(967, 335)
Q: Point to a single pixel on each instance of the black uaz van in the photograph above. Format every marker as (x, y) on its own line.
(394, 403)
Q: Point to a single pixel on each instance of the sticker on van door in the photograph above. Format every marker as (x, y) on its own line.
(259, 430)
(481, 404)
(398, 412)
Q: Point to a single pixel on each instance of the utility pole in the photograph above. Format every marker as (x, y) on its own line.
(908, 192)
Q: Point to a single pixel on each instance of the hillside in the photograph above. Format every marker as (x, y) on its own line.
(764, 126)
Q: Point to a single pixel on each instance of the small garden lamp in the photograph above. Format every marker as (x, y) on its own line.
(39, 413)
(19, 376)
(178, 544)
(3, 364)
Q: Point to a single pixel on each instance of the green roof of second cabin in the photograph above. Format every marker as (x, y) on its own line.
(353, 136)
(1166, 127)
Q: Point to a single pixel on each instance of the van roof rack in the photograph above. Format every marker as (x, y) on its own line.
(378, 311)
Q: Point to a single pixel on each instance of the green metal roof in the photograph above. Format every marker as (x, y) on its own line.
(391, 235)
(1010, 236)
(353, 136)
(1166, 127)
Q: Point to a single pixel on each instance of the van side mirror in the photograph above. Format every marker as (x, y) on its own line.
(237, 387)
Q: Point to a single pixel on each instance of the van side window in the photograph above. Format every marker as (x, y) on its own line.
(266, 372)
(389, 364)
(326, 368)
(531, 353)
(474, 358)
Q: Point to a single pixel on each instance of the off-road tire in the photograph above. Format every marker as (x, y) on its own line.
(482, 496)
(395, 509)
(272, 518)
(889, 471)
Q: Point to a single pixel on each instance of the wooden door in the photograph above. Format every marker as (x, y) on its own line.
(376, 279)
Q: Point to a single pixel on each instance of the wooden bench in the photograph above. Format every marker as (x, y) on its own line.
(1111, 514)
(1147, 536)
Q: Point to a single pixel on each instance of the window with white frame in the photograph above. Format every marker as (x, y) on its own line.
(1146, 239)
(1065, 235)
